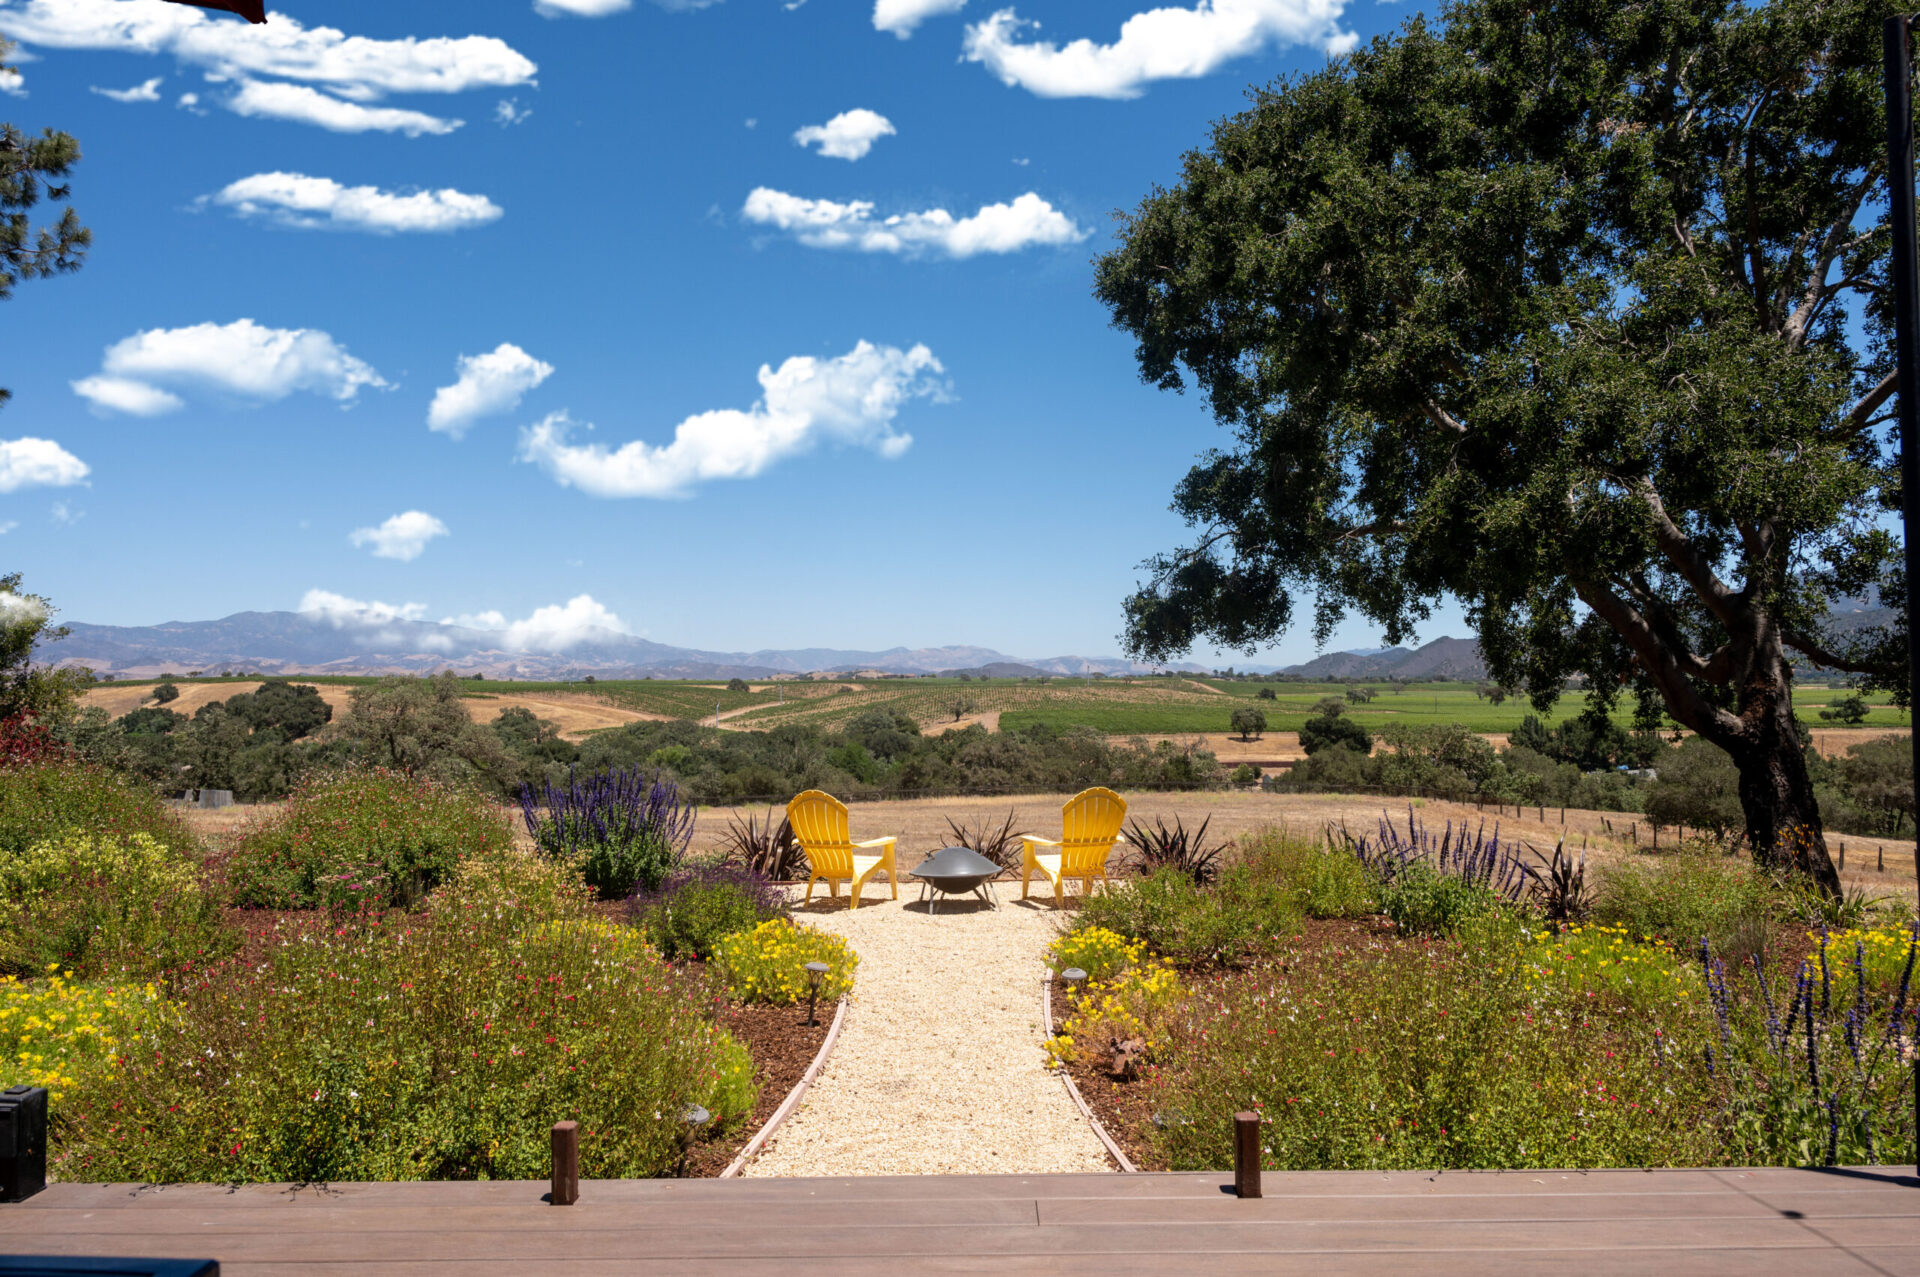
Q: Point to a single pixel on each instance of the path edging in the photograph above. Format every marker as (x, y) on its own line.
(792, 1102)
(1100, 1132)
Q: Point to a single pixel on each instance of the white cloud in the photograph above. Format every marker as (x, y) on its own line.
(553, 628)
(850, 400)
(38, 463)
(508, 111)
(190, 102)
(344, 613)
(1160, 44)
(848, 135)
(353, 66)
(902, 16)
(579, 8)
(147, 91)
(12, 83)
(119, 394)
(297, 102)
(996, 228)
(66, 514)
(242, 358)
(489, 383)
(6, 527)
(315, 203)
(402, 537)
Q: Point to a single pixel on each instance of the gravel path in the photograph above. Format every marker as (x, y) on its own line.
(939, 1068)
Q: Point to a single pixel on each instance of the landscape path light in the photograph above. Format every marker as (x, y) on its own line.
(1074, 978)
(815, 970)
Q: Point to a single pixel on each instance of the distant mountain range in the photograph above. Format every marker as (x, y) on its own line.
(382, 643)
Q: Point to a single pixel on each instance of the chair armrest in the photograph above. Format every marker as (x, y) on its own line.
(879, 842)
(1037, 840)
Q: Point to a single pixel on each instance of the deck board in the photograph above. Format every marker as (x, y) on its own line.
(1684, 1221)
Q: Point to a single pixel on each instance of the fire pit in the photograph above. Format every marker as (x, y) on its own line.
(954, 871)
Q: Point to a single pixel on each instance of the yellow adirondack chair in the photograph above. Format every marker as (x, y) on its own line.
(820, 823)
(1090, 823)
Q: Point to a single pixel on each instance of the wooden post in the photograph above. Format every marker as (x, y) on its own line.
(1633, 832)
(1246, 1155)
(1843, 855)
(1881, 867)
(1563, 815)
(566, 1163)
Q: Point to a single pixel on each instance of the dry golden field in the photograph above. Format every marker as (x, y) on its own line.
(577, 713)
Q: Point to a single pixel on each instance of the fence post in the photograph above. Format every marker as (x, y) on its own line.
(1843, 856)
(566, 1163)
(1246, 1155)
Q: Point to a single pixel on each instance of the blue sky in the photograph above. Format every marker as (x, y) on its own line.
(468, 349)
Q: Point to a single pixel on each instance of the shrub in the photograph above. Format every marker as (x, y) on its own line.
(99, 905)
(1879, 952)
(1641, 972)
(1472, 856)
(1408, 1057)
(53, 1031)
(1423, 901)
(1124, 1017)
(625, 829)
(507, 880)
(1686, 897)
(769, 963)
(435, 1047)
(1238, 917)
(999, 843)
(1325, 731)
(24, 741)
(363, 839)
(45, 799)
(1326, 881)
(1101, 953)
(696, 908)
(763, 847)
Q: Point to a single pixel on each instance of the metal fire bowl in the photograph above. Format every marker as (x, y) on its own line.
(955, 870)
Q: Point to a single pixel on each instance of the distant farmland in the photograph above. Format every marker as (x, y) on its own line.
(1120, 707)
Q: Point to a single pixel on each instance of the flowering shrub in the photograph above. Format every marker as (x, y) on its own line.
(1599, 961)
(41, 800)
(1097, 951)
(769, 963)
(1412, 1055)
(363, 839)
(625, 829)
(695, 908)
(53, 1031)
(96, 904)
(435, 1046)
(1237, 917)
(1881, 951)
(1135, 1005)
(24, 742)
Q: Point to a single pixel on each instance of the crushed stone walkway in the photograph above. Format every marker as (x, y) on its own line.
(940, 1067)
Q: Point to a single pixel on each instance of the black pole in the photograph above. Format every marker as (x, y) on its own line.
(1906, 310)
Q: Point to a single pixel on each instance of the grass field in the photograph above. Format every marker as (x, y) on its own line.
(1119, 707)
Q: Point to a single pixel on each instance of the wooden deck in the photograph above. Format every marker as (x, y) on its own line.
(1665, 1222)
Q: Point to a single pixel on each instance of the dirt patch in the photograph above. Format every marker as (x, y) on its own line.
(578, 714)
(989, 719)
(1838, 740)
(783, 1046)
(120, 701)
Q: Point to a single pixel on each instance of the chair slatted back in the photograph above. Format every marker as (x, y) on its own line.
(820, 823)
(1090, 822)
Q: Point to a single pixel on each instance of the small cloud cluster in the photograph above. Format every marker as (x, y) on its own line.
(146, 91)
(996, 228)
(851, 400)
(283, 70)
(1160, 44)
(38, 463)
(487, 384)
(242, 358)
(579, 8)
(848, 135)
(902, 16)
(401, 537)
(553, 628)
(320, 203)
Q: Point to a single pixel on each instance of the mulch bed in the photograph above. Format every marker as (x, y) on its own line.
(782, 1046)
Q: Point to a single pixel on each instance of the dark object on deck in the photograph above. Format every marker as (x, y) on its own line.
(74, 1265)
(23, 1142)
(251, 10)
(566, 1163)
(1246, 1155)
(955, 871)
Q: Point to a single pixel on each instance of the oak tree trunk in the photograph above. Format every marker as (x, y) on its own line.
(1776, 793)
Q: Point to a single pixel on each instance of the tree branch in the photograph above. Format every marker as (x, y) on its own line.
(1661, 663)
(1810, 646)
(1685, 555)
(1858, 417)
(1441, 417)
